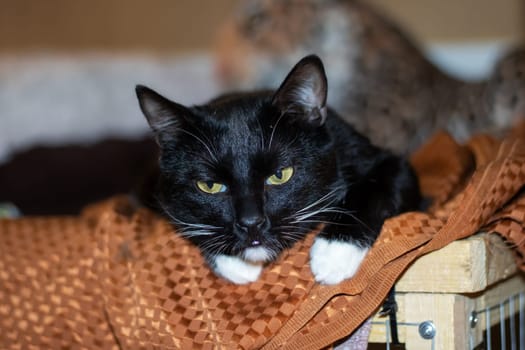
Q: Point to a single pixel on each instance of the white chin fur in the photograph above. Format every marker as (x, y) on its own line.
(257, 254)
(334, 261)
(237, 270)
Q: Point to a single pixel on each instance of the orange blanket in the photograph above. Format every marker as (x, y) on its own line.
(118, 276)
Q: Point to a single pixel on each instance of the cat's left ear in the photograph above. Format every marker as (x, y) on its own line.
(165, 117)
(303, 92)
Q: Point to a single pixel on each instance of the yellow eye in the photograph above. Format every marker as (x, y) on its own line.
(280, 177)
(211, 187)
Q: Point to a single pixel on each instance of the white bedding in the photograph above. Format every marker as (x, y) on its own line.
(51, 99)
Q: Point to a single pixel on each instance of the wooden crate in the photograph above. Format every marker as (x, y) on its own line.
(447, 286)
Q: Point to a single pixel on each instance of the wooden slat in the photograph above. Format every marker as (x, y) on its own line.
(447, 285)
(450, 313)
(464, 266)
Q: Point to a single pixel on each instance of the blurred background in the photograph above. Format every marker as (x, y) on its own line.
(68, 70)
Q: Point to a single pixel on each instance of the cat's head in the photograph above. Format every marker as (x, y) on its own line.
(506, 89)
(245, 174)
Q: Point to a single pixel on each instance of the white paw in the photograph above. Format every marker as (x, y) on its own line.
(236, 270)
(334, 261)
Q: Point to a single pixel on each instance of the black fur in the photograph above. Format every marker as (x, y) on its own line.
(241, 139)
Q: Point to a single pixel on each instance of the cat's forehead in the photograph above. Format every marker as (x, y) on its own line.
(236, 115)
(239, 132)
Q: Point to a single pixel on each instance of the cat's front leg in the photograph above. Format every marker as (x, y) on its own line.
(235, 269)
(333, 261)
(387, 189)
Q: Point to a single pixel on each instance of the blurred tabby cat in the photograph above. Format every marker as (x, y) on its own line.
(380, 81)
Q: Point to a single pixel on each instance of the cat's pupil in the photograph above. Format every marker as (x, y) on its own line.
(279, 174)
(209, 184)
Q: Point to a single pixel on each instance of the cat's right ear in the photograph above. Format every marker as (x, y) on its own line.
(165, 117)
(304, 91)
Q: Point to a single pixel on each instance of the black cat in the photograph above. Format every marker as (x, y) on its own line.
(247, 175)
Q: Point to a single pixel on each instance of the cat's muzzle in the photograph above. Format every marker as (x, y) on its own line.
(252, 231)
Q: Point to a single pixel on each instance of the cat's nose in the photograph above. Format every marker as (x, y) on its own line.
(251, 222)
(252, 229)
(250, 215)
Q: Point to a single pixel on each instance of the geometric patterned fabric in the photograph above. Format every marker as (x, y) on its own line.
(118, 277)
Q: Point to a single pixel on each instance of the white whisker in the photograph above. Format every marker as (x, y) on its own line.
(261, 132)
(215, 244)
(325, 222)
(321, 200)
(274, 128)
(208, 148)
(323, 205)
(195, 233)
(307, 215)
(329, 210)
(180, 222)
